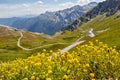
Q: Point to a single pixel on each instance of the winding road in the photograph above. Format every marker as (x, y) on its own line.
(91, 34)
(18, 42)
(77, 42)
(71, 46)
(62, 51)
(27, 49)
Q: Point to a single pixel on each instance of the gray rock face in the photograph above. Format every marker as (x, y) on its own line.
(109, 7)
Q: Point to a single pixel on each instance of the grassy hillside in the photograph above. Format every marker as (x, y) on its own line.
(10, 51)
(8, 38)
(106, 29)
(111, 36)
(8, 47)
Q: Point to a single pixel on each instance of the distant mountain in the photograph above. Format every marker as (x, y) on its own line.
(8, 21)
(108, 7)
(28, 16)
(89, 6)
(49, 22)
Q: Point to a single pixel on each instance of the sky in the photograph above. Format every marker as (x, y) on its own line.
(14, 8)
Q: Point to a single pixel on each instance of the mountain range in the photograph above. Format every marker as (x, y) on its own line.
(49, 22)
(88, 48)
(108, 7)
(100, 23)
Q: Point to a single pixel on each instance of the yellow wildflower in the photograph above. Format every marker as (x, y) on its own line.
(49, 71)
(49, 67)
(51, 51)
(48, 78)
(37, 78)
(38, 64)
(25, 79)
(92, 75)
(65, 77)
(44, 50)
(87, 65)
(84, 70)
(26, 68)
(32, 78)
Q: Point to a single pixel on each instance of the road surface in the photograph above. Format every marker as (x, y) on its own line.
(71, 46)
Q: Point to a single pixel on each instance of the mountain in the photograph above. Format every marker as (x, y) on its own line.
(97, 58)
(108, 7)
(90, 6)
(28, 16)
(8, 21)
(49, 22)
(101, 23)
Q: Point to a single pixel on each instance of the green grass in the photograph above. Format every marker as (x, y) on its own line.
(110, 37)
(10, 51)
(8, 55)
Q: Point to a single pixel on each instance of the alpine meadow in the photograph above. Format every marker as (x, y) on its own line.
(76, 40)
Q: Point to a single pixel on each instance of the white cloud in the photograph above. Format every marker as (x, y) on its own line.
(83, 2)
(38, 7)
(25, 5)
(78, 2)
(31, 8)
(39, 2)
(67, 4)
(9, 10)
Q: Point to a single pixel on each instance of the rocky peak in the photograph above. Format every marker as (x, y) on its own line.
(109, 7)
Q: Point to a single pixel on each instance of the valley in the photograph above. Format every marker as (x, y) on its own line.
(31, 42)
(85, 46)
(27, 43)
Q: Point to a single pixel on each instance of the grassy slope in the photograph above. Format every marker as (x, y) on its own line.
(8, 47)
(10, 51)
(110, 37)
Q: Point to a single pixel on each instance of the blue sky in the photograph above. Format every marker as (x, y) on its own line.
(10, 8)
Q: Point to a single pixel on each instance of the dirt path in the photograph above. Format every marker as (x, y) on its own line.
(18, 42)
(27, 49)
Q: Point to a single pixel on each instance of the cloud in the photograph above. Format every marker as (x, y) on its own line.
(97, 0)
(78, 2)
(39, 2)
(38, 7)
(9, 10)
(25, 5)
(83, 2)
(67, 4)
